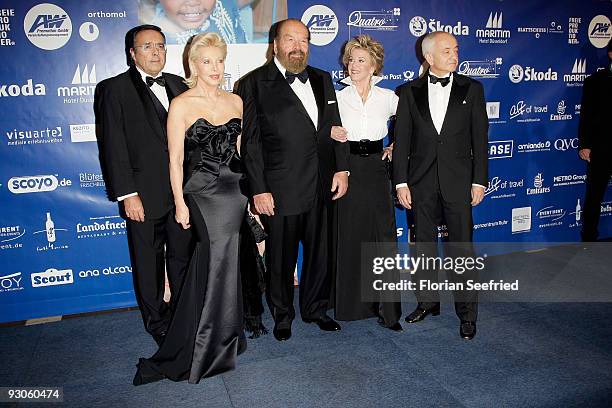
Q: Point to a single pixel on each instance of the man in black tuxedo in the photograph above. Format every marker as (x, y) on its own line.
(596, 143)
(131, 110)
(440, 160)
(293, 168)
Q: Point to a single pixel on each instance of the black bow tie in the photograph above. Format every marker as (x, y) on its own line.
(443, 81)
(159, 80)
(302, 76)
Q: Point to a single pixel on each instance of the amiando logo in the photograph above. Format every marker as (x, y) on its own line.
(47, 26)
(36, 184)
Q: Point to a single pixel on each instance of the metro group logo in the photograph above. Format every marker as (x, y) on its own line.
(568, 180)
(47, 26)
(493, 33)
(322, 23)
(36, 184)
(419, 26)
(383, 20)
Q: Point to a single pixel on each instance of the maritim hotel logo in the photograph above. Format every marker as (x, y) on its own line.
(82, 87)
(493, 33)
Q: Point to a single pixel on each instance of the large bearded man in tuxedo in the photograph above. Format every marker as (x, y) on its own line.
(440, 163)
(131, 110)
(294, 170)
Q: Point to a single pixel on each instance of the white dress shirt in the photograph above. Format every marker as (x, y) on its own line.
(162, 96)
(304, 92)
(438, 97)
(366, 120)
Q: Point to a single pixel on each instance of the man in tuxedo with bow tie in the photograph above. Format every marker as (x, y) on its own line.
(295, 170)
(440, 162)
(131, 110)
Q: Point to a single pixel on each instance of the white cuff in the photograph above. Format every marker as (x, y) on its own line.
(478, 185)
(123, 197)
(400, 185)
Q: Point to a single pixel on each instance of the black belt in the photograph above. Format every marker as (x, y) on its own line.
(366, 147)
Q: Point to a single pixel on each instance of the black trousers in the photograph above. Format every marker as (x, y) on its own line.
(430, 210)
(598, 176)
(157, 245)
(284, 235)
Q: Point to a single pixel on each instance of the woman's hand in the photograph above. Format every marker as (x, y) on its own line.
(388, 152)
(339, 134)
(182, 215)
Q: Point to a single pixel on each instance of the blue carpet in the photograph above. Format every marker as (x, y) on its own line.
(536, 355)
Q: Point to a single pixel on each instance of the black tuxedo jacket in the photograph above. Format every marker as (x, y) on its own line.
(595, 110)
(459, 152)
(133, 141)
(282, 150)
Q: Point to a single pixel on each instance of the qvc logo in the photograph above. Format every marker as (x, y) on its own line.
(36, 184)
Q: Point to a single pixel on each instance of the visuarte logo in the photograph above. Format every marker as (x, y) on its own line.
(83, 86)
(383, 20)
(517, 74)
(419, 26)
(36, 184)
(52, 277)
(47, 26)
(481, 69)
(322, 23)
(501, 149)
(600, 31)
(11, 282)
(20, 137)
(50, 233)
(494, 32)
(10, 236)
(578, 74)
(27, 89)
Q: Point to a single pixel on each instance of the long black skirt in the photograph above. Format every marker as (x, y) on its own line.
(365, 215)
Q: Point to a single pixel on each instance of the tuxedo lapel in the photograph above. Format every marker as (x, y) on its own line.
(421, 98)
(147, 104)
(278, 85)
(316, 82)
(455, 101)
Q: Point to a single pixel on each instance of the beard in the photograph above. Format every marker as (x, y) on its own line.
(293, 64)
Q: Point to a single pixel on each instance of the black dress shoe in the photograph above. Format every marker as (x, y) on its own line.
(145, 373)
(325, 323)
(467, 330)
(421, 313)
(282, 334)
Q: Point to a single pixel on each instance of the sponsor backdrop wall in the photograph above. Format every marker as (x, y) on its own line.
(63, 245)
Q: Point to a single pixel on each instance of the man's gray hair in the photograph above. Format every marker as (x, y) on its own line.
(429, 41)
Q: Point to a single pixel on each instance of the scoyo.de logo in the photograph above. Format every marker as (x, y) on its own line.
(36, 184)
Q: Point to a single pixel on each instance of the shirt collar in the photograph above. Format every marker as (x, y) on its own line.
(144, 75)
(373, 81)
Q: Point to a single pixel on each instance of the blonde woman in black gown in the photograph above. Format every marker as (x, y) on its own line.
(204, 125)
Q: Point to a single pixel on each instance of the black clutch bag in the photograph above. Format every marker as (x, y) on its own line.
(256, 229)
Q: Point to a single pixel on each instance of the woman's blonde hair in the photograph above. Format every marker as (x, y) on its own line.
(365, 42)
(199, 41)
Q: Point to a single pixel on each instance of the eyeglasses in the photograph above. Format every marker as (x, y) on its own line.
(149, 47)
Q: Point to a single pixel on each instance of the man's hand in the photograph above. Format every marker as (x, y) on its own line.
(264, 204)
(134, 209)
(339, 134)
(404, 197)
(339, 184)
(388, 152)
(585, 154)
(477, 195)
